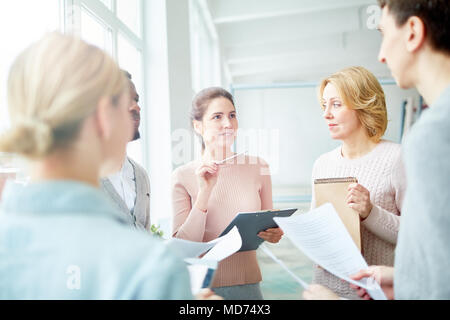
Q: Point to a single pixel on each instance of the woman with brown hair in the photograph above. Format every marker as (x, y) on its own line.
(207, 195)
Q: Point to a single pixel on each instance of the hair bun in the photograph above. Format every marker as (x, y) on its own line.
(31, 138)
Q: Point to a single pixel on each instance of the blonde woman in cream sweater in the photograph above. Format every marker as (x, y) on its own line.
(355, 112)
(207, 196)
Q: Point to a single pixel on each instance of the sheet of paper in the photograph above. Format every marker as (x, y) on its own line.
(190, 249)
(281, 263)
(222, 248)
(229, 244)
(321, 235)
(197, 271)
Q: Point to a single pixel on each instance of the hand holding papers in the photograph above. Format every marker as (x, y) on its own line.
(321, 235)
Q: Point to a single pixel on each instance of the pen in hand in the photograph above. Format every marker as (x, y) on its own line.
(230, 158)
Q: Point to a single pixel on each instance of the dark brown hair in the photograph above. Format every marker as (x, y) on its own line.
(203, 99)
(127, 74)
(435, 14)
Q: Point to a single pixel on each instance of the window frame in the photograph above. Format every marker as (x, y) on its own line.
(110, 20)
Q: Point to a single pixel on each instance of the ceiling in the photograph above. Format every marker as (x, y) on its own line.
(266, 41)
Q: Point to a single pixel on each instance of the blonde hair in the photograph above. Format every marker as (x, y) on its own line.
(53, 86)
(360, 90)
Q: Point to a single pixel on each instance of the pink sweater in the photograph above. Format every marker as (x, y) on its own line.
(382, 173)
(242, 186)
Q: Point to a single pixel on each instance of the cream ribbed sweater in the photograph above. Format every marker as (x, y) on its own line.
(382, 173)
(243, 186)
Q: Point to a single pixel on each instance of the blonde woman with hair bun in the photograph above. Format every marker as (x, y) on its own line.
(60, 236)
(354, 109)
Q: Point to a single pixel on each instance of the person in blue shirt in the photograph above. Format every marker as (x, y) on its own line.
(60, 236)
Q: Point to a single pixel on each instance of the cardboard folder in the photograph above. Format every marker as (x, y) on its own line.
(334, 191)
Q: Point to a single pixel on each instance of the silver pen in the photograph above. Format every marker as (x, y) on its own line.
(227, 159)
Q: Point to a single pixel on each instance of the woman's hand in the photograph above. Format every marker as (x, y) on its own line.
(318, 292)
(271, 235)
(207, 294)
(206, 175)
(358, 198)
(384, 276)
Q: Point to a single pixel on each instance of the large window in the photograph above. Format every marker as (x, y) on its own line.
(205, 52)
(94, 31)
(129, 11)
(113, 25)
(21, 23)
(116, 27)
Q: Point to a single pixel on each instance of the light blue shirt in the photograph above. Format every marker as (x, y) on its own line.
(422, 260)
(65, 240)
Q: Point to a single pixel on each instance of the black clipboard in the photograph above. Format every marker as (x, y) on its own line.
(249, 224)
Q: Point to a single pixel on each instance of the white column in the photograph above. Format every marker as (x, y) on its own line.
(179, 51)
(168, 86)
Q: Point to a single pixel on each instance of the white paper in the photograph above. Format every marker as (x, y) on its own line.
(223, 247)
(197, 271)
(321, 235)
(281, 263)
(190, 249)
(219, 249)
(229, 244)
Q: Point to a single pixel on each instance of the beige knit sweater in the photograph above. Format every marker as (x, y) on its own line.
(243, 186)
(382, 173)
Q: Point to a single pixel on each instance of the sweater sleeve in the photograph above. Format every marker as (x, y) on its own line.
(381, 222)
(188, 223)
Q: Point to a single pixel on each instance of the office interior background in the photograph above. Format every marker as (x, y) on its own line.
(271, 54)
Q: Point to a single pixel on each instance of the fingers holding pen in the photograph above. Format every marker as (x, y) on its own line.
(207, 174)
(211, 168)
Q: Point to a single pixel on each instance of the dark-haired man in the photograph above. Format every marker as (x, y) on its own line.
(130, 187)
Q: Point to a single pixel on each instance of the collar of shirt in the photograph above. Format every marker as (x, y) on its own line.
(128, 171)
(124, 182)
